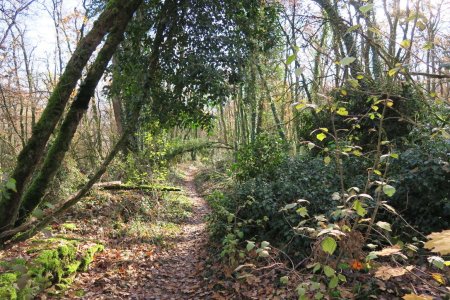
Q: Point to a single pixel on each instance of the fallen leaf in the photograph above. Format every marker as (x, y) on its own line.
(386, 272)
(388, 251)
(417, 297)
(438, 277)
(439, 242)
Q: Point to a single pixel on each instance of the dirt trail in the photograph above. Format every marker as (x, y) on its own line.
(178, 274)
(143, 271)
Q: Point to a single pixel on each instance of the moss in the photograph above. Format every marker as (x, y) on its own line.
(67, 252)
(89, 256)
(7, 278)
(8, 292)
(72, 268)
(69, 226)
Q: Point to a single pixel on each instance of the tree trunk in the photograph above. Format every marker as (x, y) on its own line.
(33, 195)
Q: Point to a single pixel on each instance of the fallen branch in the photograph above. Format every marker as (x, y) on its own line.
(118, 185)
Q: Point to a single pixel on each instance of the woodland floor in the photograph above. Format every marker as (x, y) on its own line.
(156, 247)
(141, 271)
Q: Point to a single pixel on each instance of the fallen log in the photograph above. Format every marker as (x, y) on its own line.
(118, 185)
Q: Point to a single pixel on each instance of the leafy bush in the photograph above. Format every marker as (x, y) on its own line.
(260, 158)
(422, 179)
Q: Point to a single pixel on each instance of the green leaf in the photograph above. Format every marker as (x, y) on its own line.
(342, 278)
(299, 71)
(311, 145)
(11, 184)
(377, 172)
(405, 43)
(333, 282)
(284, 280)
(321, 136)
(347, 60)
(384, 225)
(329, 245)
(353, 28)
(264, 244)
(342, 111)
(318, 296)
(394, 155)
(327, 160)
(357, 206)
(364, 9)
(250, 245)
(389, 190)
(436, 261)
(428, 46)
(328, 271)
(289, 206)
(317, 267)
(291, 59)
(302, 211)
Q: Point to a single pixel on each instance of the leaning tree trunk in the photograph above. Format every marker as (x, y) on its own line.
(31, 154)
(33, 195)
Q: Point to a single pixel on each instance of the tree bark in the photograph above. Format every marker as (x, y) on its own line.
(33, 195)
(32, 152)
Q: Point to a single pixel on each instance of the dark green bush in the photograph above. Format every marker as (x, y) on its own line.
(260, 158)
(422, 180)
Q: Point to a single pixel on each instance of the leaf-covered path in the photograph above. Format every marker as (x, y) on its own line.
(140, 271)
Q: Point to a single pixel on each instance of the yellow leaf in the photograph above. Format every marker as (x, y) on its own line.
(405, 44)
(360, 77)
(417, 297)
(344, 92)
(393, 71)
(321, 136)
(342, 111)
(438, 277)
(439, 242)
(389, 103)
(327, 160)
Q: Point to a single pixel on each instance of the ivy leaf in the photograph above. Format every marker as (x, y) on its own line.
(347, 60)
(250, 245)
(364, 9)
(321, 136)
(384, 225)
(327, 160)
(342, 111)
(389, 190)
(329, 245)
(265, 244)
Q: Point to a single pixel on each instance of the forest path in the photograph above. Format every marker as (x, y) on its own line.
(177, 274)
(131, 269)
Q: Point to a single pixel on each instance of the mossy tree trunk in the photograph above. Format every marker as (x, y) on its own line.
(29, 157)
(33, 195)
